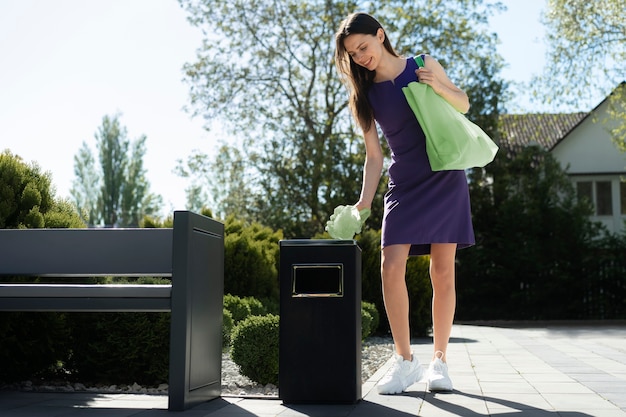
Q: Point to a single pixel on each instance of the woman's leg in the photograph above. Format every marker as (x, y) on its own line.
(395, 296)
(442, 275)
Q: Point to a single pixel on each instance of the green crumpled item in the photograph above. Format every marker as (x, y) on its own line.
(346, 221)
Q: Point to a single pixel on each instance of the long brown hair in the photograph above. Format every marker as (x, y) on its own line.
(357, 78)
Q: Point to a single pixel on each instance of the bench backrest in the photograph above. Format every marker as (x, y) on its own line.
(86, 252)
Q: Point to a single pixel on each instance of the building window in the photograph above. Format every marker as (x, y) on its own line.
(604, 200)
(599, 194)
(622, 192)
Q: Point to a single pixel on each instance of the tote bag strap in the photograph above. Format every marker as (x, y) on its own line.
(419, 60)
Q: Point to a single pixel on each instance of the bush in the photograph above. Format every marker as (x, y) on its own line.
(271, 305)
(372, 311)
(256, 307)
(250, 260)
(255, 348)
(227, 327)
(33, 345)
(237, 306)
(120, 348)
(27, 197)
(366, 323)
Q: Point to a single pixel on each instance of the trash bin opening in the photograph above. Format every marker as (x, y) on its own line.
(317, 280)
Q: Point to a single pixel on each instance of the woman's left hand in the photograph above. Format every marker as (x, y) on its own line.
(435, 76)
(426, 76)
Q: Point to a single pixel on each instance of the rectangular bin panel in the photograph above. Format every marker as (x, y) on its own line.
(320, 321)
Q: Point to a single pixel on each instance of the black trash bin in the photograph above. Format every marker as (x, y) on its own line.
(320, 321)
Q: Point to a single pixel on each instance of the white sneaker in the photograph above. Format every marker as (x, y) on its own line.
(438, 379)
(400, 376)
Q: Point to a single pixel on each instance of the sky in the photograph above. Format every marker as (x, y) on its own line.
(66, 64)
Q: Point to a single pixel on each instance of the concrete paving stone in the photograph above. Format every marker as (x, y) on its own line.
(443, 409)
(107, 412)
(508, 378)
(468, 389)
(461, 369)
(578, 402)
(456, 396)
(464, 381)
(547, 377)
(619, 399)
(561, 388)
(599, 413)
(539, 370)
(507, 388)
(512, 412)
(596, 377)
(482, 371)
(267, 405)
(518, 401)
(370, 409)
(582, 372)
(604, 387)
(316, 410)
(407, 402)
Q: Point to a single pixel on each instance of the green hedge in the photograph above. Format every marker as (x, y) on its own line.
(120, 348)
(250, 260)
(33, 345)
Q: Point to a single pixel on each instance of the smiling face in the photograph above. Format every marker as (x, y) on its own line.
(365, 50)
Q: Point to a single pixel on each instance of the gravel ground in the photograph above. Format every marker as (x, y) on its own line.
(375, 352)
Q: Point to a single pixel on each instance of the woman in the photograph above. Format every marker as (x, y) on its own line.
(425, 212)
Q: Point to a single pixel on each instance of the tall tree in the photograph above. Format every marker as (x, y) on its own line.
(85, 187)
(266, 71)
(118, 193)
(586, 54)
(112, 147)
(220, 182)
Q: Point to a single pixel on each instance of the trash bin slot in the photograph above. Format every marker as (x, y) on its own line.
(317, 280)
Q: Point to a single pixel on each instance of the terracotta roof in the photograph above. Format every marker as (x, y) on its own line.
(546, 130)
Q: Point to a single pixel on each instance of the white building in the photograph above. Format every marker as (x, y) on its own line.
(582, 143)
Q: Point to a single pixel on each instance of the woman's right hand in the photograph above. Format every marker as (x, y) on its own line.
(360, 206)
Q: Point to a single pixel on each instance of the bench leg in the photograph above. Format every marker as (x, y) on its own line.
(196, 321)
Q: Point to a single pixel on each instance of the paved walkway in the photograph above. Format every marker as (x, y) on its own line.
(569, 371)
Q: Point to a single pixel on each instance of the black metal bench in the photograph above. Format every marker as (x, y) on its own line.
(191, 253)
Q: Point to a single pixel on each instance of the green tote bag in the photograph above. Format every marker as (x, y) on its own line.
(452, 141)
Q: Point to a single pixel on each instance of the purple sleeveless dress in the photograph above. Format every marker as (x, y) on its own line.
(421, 206)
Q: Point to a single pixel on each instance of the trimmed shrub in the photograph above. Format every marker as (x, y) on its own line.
(242, 307)
(227, 327)
(371, 309)
(255, 348)
(256, 307)
(366, 323)
(238, 307)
